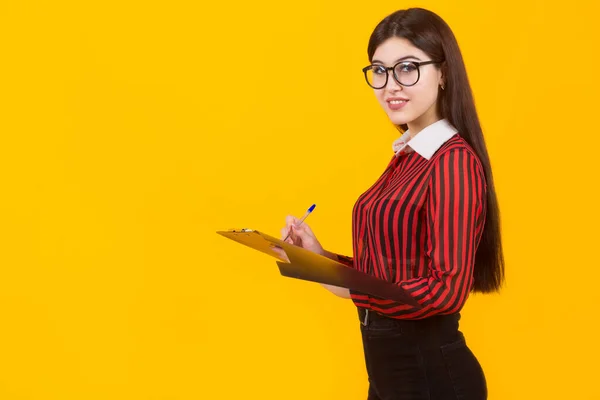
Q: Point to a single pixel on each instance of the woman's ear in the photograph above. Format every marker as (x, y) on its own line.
(442, 82)
(443, 74)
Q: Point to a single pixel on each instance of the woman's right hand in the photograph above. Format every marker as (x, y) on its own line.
(301, 235)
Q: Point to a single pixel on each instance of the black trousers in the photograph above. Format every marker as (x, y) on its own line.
(424, 359)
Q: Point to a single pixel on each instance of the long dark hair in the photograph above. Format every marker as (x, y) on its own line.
(428, 32)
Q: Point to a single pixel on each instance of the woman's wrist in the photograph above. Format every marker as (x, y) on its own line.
(329, 254)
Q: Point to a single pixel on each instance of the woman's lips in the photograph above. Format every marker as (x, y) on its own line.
(396, 103)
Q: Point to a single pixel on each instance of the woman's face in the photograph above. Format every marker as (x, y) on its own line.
(413, 105)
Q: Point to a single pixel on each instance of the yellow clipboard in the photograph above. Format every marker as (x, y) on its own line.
(309, 266)
(256, 240)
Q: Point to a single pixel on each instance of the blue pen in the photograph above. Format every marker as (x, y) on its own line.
(310, 209)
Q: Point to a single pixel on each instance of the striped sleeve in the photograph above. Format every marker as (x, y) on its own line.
(347, 261)
(455, 216)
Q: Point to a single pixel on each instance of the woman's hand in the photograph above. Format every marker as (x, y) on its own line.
(301, 235)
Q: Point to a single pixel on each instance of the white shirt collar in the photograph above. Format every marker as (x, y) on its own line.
(428, 140)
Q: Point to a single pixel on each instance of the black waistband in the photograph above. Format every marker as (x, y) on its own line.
(437, 323)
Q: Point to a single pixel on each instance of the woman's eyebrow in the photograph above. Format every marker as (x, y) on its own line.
(400, 59)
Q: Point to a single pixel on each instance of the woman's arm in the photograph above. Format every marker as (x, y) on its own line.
(338, 291)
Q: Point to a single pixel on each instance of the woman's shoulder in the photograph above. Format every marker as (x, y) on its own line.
(456, 146)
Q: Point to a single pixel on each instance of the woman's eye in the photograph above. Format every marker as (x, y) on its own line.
(409, 67)
(378, 70)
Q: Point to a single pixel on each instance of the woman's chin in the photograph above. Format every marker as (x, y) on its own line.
(398, 119)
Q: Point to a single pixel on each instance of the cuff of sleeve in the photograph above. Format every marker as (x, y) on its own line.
(348, 261)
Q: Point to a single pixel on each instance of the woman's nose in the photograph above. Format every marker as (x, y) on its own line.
(392, 85)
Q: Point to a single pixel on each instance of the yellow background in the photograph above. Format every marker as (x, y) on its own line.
(132, 131)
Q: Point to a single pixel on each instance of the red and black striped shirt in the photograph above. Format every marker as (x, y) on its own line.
(420, 223)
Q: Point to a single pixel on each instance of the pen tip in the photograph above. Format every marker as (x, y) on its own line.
(312, 208)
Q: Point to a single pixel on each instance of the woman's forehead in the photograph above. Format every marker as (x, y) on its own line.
(395, 49)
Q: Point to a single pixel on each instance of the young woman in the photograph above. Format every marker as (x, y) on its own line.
(430, 223)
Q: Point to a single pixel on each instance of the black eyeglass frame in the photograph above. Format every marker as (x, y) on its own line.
(418, 64)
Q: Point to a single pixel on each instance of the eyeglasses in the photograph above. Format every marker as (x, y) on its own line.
(406, 73)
